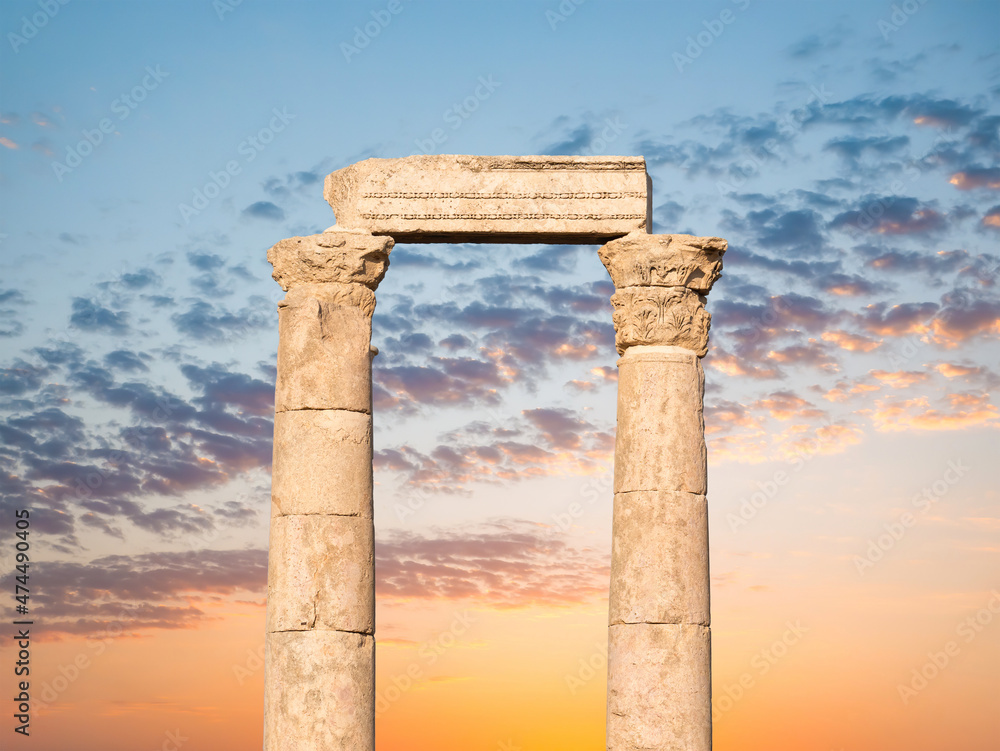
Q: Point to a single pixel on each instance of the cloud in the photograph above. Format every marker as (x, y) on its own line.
(154, 448)
(849, 341)
(504, 564)
(850, 285)
(126, 594)
(882, 319)
(541, 442)
(965, 410)
(560, 427)
(964, 317)
(813, 354)
(214, 323)
(739, 367)
(977, 177)
(265, 210)
(991, 219)
(798, 231)
(89, 315)
(902, 379)
(891, 215)
(126, 361)
(816, 44)
(205, 261)
(852, 148)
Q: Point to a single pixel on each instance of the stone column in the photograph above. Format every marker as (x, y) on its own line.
(659, 640)
(320, 645)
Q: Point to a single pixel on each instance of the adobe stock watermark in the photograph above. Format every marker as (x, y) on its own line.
(248, 148)
(173, 741)
(611, 129)
(967, 630)
(760, 664)
(224, 7)
(456, 115)
(122, 106)
(428, 654)
(363, 35)
(698, 43)
(923, 501)
(31, 25)
(787, 126)
(900, 15)
(595, 489)
(564, 10)
(588, 668)
(68, 673)
(767, 490)
(253, 663)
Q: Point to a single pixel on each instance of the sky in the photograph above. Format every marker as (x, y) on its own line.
(151, 153)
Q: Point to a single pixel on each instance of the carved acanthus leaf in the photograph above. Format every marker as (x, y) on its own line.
(661, 316)
(640, 260)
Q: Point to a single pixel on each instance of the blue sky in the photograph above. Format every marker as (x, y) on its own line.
(851, 160)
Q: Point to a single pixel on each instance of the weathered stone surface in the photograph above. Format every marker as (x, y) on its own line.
(319, 691)
(659, 687)
(660, 316)
(457, 198)
(642, 260)
(659, 558)
(335, 255)
(321, 574)
(324, 348)
(322, 463)
(660, 441)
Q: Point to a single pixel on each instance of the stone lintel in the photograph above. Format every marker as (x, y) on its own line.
(494, 199)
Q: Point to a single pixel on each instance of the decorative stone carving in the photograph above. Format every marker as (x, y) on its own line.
(336, 255)
(458, 198)
(673, 316)
(641, 260)
(660, 282)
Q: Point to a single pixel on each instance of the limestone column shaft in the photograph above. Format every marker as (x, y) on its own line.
(320, 644)
(659, 637)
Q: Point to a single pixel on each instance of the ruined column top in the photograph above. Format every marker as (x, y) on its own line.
(456, 198)
(643, 260)
(335, 255)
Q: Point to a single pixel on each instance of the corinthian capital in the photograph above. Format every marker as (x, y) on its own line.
(660, 285)
(336, 256)
(642, 260)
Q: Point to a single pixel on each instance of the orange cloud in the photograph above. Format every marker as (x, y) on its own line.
(4, 141)
(844, 390)
(966, 410)
(956, 325)
(977, 178)
(991, 219)
(605, 372)
(784, 405)
(731, 365)
(812, 353)
(954, 370)
(851, 342)
(902, 379)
